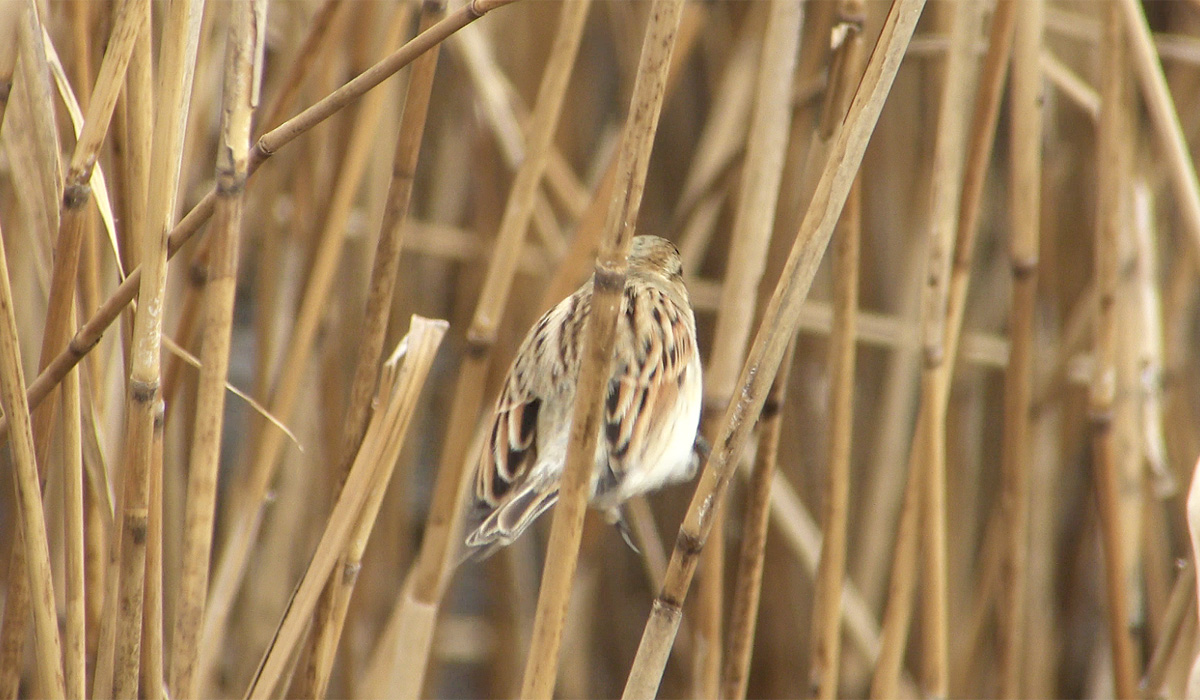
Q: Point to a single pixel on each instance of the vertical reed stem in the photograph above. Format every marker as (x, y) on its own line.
(247, 511)
(596, 354)
(1111, 220)
(948, 159)
(153, 676)
(74, 639)
(831, 570)
(753, 222)
(1025, 216)
(176, 68)
(827, 606)
(242, 56)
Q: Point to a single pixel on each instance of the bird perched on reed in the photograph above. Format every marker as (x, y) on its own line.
(651, 410)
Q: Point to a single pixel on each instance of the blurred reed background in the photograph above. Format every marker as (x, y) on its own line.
(1008, 510)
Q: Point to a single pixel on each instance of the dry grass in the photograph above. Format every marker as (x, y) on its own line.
(987, 396)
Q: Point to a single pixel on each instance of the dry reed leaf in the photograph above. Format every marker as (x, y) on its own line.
(179, 351)
(98, 183)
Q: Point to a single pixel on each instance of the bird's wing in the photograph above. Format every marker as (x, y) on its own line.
(502, 486)
(653, 349)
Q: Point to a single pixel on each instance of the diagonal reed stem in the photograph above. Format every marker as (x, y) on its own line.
(385, 435)
(754, 218)
(47, 648)
(778, 324)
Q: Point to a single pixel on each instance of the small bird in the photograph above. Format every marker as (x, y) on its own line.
(651, 408)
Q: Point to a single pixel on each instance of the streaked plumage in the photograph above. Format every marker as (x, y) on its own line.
(651, 410)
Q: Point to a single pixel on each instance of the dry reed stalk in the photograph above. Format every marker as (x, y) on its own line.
(886, 484)
(71, 454)
(1161, 107)
(172, 96)
(1025, 217)
(802, 535)
(136, 104)
(566, 529)
(747, 593)
(8, 55)
(778, 323)
(1193, 525)
(1113, 157)
(245, 516)
(32, 515)
(1129, 447)
(500, 107)
(131, 16)
(153, 676)
(16, 617)
(243, 64)
(127, 23)
(398, 393)
(74, 213)
(429, 575)
(980, 141)
(266, 146)
(1044, 555)
(945, 194)
(898, 614)
(312, 676)
(754, 217)
(98, 514)
(826, 637)
(579, 257)
(1147, 371)
(1179, 607)
(724, 132)
(1070, 84)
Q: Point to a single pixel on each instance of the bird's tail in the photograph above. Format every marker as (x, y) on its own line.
(507, 522)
